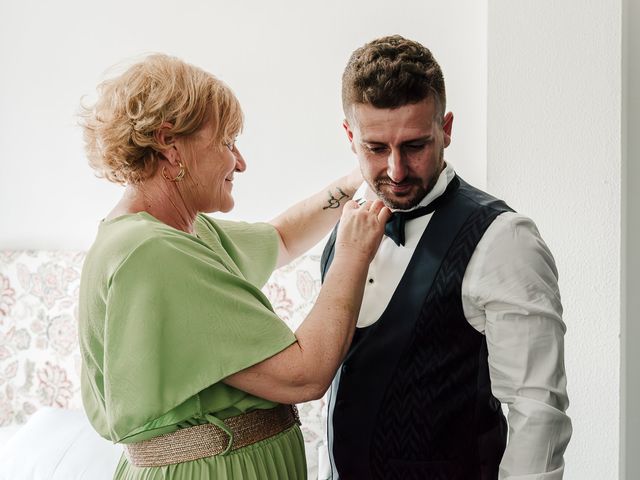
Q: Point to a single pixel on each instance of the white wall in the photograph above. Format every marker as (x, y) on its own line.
(554, 153)
(630, 332)
(553, 130)
(283, 58)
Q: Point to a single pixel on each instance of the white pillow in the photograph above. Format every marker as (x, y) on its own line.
(58, 444)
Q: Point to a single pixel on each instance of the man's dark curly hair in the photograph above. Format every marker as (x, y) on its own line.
(390, 72)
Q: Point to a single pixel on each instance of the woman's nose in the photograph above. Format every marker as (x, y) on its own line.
(241, 165)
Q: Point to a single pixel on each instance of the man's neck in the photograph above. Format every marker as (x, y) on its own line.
(439, 187)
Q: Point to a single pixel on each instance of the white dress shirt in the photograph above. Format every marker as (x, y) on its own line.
(509, 294)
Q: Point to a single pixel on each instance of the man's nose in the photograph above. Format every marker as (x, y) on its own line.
(396, 166)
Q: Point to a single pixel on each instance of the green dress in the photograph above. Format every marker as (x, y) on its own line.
(164, 317)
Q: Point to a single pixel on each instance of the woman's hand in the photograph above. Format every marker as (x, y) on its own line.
(305, 223)
(361, 229)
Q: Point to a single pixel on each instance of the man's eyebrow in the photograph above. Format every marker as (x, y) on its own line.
(425, 138)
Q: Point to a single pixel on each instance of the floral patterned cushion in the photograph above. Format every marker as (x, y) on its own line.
(39, 356)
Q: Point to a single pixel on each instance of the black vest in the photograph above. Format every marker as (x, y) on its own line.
(413, 399)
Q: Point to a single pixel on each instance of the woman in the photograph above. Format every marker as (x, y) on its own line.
(184, 360)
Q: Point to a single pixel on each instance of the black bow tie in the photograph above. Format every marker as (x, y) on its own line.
(394, 229)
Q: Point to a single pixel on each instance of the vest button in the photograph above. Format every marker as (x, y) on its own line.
(344, 369)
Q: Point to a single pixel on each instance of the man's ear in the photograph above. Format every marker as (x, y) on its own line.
(447, 125)
(347, 128)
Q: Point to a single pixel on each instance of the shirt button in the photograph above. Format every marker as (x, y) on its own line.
(371, 280)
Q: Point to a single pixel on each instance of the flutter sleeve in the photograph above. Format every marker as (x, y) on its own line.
(177, 321)
(253, 247)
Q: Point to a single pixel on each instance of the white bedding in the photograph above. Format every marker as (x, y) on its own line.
(6, 433)
(56, 444)
(60, 444)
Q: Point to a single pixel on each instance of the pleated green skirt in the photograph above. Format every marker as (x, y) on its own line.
(280, 457)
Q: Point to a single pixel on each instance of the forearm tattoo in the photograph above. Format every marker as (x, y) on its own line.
(335, 202)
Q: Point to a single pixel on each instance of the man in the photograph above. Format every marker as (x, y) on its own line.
(461, 310)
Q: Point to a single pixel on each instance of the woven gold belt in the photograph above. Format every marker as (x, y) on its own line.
(206, 440)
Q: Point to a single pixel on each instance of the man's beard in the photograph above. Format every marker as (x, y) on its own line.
(413, 197)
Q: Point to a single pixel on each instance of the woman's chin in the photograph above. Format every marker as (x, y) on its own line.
(226, 206)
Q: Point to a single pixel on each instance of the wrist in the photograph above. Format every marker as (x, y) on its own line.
(350, 255)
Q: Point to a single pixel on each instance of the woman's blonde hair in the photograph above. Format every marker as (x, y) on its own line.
(120, 128)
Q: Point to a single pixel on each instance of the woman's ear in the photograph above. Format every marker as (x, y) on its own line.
(165, 139)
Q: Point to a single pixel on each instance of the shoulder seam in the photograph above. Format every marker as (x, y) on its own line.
(143, 243)
(489, 205)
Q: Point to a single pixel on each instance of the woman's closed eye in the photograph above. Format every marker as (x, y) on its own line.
(230, 144)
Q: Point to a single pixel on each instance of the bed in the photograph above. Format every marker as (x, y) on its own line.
(44, 434)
